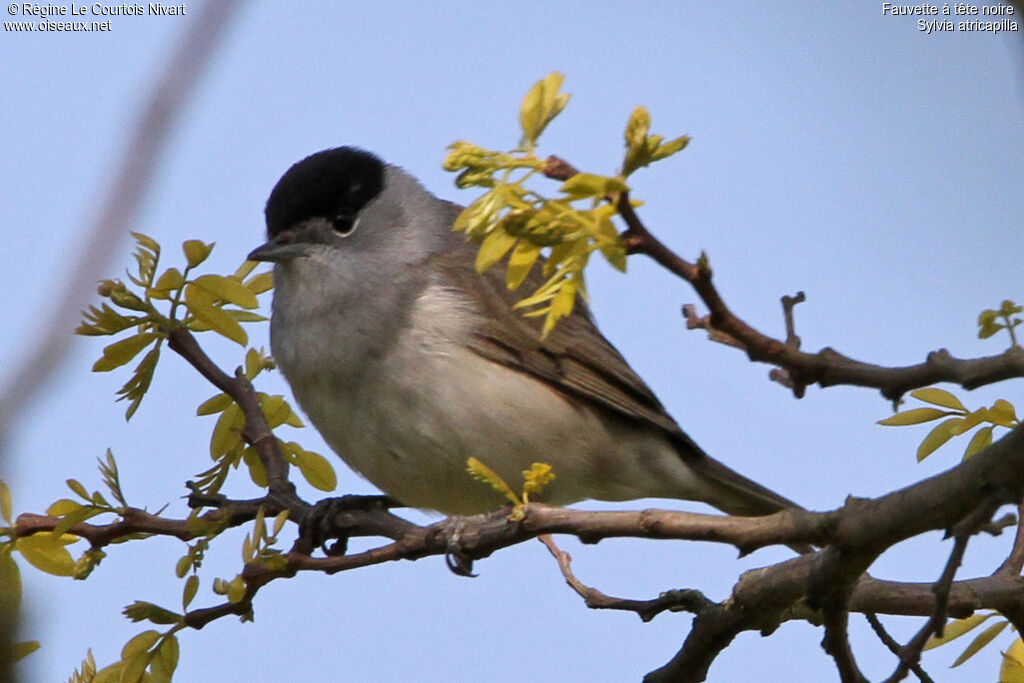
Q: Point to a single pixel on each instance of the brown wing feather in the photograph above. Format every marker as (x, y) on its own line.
(578, 361)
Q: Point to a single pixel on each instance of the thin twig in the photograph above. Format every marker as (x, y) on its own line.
(675, 600)
(256, 431)
(895, 647)
(826, 367)
(1015, 560)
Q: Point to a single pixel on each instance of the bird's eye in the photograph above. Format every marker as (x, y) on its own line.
(344, 224)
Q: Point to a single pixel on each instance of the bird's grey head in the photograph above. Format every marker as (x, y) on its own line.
(348, 199)
(351, 239)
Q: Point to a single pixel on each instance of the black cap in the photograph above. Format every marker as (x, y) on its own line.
(335, 184)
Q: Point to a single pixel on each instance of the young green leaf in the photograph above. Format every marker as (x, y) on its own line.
(227, 433)
(482, 472)
(1002, 414)
(6, 506)
(201, 304)
(227, 289)
(1012, 670)
(214, 405)
(190, 590)
(316, 469)
(494, 246)
(981, 440)
(939, 397)
(47, 553)
(983, 639)
(520, 263)
(23, 649)
(121, 352)
(914, 416)
(196, 252)
(942, 433)
(260, 282)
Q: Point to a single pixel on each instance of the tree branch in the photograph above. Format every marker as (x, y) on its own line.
(827, 367)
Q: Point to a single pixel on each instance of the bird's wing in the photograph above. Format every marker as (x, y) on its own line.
(577, 361)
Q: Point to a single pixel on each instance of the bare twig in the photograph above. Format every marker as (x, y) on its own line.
(256, 431)
(685, 600)
(1015, 560)
(837, 643)
(895, 647)
(910, 654)
(826, 367)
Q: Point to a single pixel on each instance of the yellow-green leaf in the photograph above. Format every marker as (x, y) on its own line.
(542, 103)
(236, 590)
(520, 263)
(77, 487)
(166, 660)
(482, 472)
(109, 674)
(134, 668)
(214, 405)
(10, 586)
(279, 521)
(6, 506)
(671, 147)
(24, 649)
(637, 127)
(63, 507)
(942, 433)
(260, 282)
(590, 185)
(981, 440)
(914, 416)
(276, 410)
(170, 279)
(227, 289)
(1012, 670)
(200, 303)
(983, 639)
(46, 553)
(956, 628)
(494, 246)
(537, 477)
(244, 270)
(120, 352)
(972, 420)
(196, 252)
(257, 472)
(939, 397)
(190, 590)
(316, 469)
(227, 433)
(1002, 413)
(146, 241)
(140, 643)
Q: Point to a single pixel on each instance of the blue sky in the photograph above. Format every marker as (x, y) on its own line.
(835, 150)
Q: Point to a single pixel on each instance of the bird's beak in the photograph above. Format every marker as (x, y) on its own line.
(282, 247)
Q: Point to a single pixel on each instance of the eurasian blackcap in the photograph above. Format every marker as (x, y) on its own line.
(408, 362)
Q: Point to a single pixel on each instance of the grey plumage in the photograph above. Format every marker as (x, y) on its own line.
(408, 361)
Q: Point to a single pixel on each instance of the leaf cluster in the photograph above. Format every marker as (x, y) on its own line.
(959, 420)
(1012, 670)
(562, 231)
(207, 302)
(534, 480)
(990, 321)
(228, 448)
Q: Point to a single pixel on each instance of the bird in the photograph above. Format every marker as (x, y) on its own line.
(409, 362)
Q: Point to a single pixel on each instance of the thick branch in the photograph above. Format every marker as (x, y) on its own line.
(826, 367)
(256, 431)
